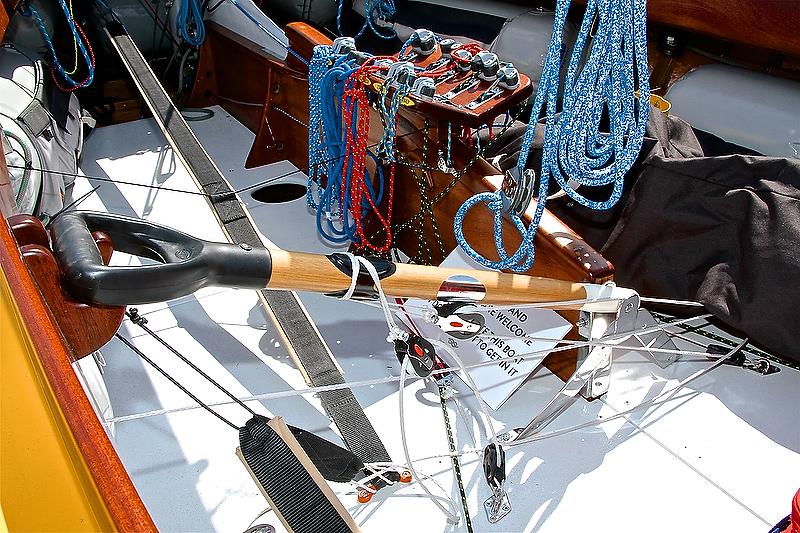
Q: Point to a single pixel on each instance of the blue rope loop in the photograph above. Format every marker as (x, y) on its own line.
(373, 10)
(327, 147)
(189, 23)
(575, 149)
(386, 144)
(317, 151)
(32, 11)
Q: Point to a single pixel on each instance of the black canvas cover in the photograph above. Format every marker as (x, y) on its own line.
(701, 219)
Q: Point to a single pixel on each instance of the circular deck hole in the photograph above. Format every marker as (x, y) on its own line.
(279, 193)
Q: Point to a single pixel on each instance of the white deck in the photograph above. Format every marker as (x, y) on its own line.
(723, 456)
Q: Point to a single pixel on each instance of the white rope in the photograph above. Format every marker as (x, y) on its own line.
(393, 379)
(491, 433)
(452, 516)
(382, 468)
(395, 333)
(355, 268)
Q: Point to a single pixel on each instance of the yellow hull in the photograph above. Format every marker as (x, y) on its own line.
(45, 484)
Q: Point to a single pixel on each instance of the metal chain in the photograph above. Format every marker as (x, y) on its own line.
(417, 221)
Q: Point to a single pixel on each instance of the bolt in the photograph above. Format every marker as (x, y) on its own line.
(598, 383)
(628, 307)
(245, 246)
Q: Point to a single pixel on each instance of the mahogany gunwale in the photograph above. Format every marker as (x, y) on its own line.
(769, 24)
(114, 485)
(85, 328)
(122, 502)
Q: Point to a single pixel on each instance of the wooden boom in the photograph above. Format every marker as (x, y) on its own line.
(186, 264)
(316, 273)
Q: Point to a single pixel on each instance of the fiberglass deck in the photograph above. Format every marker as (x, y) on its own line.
(724, 454)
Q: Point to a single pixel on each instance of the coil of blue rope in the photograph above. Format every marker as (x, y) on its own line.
(327, 149)
(189, 22)
(612, 82)
(373, 10)
(321, 59)
(331, 208)
(32, 11)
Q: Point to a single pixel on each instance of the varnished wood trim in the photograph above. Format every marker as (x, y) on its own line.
(313, 272)
(109, 476)
(771, 24)
(7, 11)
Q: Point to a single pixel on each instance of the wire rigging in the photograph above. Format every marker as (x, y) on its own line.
(565, 344)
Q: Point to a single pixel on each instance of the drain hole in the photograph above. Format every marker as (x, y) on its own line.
(279, 193)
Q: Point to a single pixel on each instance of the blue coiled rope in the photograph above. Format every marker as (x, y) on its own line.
(373, 9)
(575, 149)
(321, 59)
(386, 144)
(189, 23)
(328, 75)
(31, 11)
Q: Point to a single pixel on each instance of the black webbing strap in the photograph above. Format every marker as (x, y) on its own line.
(270, 453)
(340, 404)
(304, 342)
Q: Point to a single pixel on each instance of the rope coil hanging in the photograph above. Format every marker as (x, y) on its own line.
(609, 83)
(340, 186)
(189, 23)
(80, 41)
(374, 10)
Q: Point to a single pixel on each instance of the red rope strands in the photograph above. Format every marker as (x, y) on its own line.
(438, 71)
(91, 57)
(356, 108)
(472, 48)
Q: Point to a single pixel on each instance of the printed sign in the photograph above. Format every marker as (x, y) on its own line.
(501, 339)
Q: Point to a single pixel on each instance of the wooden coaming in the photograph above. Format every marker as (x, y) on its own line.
(86, 328)
(770, 24)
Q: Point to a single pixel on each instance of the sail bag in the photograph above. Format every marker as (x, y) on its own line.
(701, 219)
